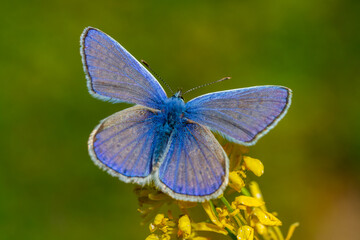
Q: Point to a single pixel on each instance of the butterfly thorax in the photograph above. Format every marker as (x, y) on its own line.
(173, 111)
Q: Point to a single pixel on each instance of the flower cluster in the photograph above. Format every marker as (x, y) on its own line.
(245, 217)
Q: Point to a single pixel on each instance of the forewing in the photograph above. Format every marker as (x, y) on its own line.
(114, 74)
(195, 167)
(123, 144)
(242, 115)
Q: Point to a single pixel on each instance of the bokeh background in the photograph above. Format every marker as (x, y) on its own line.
(49, 187)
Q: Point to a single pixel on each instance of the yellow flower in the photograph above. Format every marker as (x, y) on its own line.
(245, 218)
(160, 219)
(222, 221)
(208, 209)
(152, 237)
(291, 230)
(266, 218)
(209, 227)
(184, 227)
(260, 228)
(225, 219)
(254, 165)
(235, 181)
(245, 233)
(161, 228)
(248, 201)
(256, 193)
(255, 190)
(150, 201)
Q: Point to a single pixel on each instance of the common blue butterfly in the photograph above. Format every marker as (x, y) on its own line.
(165, 140)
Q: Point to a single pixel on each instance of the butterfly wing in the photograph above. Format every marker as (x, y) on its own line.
(243, 115)
(113, 74)
(195, 167)
(123, 144)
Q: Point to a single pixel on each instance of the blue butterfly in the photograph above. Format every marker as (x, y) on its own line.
(165, 140)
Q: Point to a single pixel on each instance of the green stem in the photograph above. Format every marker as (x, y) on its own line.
(213, 209)
(231, 234)
(242, 219)
(230, 209)
(245, 192)
(227, 204)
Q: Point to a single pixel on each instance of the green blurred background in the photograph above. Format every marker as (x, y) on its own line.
(49, 187)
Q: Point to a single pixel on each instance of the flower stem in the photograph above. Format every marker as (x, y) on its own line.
(213, 208)
(231, 234)
(245, 192)
(230, 209)
(227, 204)
(278, 232)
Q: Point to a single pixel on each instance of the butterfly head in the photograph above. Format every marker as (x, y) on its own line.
(176, 102)
(178, 94)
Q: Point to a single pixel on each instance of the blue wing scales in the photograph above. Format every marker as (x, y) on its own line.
(123, 144)
(114, 74)
(243, 115)
(195, 167)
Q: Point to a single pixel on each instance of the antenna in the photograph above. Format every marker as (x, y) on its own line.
(152, 71)
(207, 84)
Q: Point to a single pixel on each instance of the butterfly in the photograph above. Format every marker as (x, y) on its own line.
(163, 140)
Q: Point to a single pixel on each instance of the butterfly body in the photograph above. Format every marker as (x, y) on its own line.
(164, 140)
(167, 120)
(173, 111)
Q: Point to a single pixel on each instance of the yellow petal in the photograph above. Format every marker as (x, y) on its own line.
(242, 173)
(152, 228)
(233, 213)
(261, 229)
(164, 229)
(222, 212)
(152, 237)
(235, 205)
(248, 201)
(185, 226)
(211, 214)
(202, 226)
(166, 237)
(266, 218)
(158, 219)
(245, 233)
(235, 181)
(254, 165)
(273, 235)
(256, 192)
(169, 223)
(229, 227)
(291, 230)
